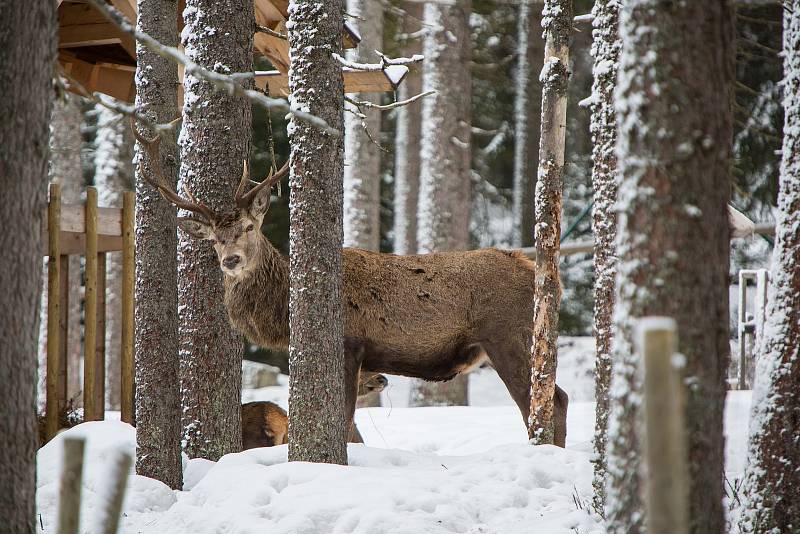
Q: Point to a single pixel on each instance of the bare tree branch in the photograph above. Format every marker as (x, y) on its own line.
(384, 107)
(263, 29)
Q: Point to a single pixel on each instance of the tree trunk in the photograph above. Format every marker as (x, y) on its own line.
(675, 131)
(158, 408)
(27, 52)
(362, 157)
(317, 424)
(445, 186)
(557, 24)
(771, 486)
(215, 143)
(65, 169)
(113, 175)
(407, 146)
(527, 119)
(605, 50)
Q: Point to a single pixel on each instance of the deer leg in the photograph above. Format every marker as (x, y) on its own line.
(352, 368)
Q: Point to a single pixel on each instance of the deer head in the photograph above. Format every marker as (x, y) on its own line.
(236, 235)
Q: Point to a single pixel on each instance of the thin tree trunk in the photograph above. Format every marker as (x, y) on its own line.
(771, 487)
(527, 119)
(158, 408)
(317, 426)
(113, 175)
(605, 49)
(215, 143)
(407, 147)
(557, 24)
(65, 169)
(674, 123)
(27, 52)
(445, 192)
(362, 157)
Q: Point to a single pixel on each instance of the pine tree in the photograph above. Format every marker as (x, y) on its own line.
(113, 159)
(317, 427)
(771, 487)
(215, 144)
(445, 186)
(407, 146)
(27, 52)
(674, 119)
(557, 24)
(158, 409)
(605, 49)
(527, 119)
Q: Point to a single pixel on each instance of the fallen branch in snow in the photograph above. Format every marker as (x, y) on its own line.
(221, 81)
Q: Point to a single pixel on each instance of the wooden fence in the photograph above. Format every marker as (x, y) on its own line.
(90, 231)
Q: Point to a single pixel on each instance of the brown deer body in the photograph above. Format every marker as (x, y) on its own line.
(429, 316)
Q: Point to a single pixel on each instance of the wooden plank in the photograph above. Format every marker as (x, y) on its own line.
(63, 336)
(73, 219)
(73, 243)
(128, 266)
(116, 81)
(354, 82)
(94, 34)
(90, 309)
(53, 303)
(100, 343)
(69, 491)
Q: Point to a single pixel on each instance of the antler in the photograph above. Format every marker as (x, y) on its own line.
(160, 182)
(243, 200)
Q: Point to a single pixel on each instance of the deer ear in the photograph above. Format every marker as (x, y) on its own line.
(260, 204)
(194, 228)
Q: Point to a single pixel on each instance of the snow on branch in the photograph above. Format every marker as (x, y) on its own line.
(263, 29)
(384, 107)
(386, 62)
(221, 81)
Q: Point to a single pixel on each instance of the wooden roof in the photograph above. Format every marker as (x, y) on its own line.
(102, 58)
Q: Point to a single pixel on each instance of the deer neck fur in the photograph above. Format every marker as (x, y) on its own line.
(258, 300)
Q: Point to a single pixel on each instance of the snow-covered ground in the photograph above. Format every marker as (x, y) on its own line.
(422, 470)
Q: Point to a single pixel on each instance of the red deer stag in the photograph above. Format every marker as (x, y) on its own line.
(429, 316)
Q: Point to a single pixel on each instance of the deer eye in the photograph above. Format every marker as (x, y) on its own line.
(249, 228)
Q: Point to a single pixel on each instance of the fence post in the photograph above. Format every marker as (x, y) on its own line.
(100, 338)
(109, 523)
(90, 308)
(69, 498)
(53, 305)
(667, 497)
(63, 337)
(128, 266)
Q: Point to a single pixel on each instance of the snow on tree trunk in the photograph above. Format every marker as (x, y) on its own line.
(157, 382)
(27, 53)
(113, 175)
(673, 107)
(527, 119)
(445, 187)
(65, 169)
(362, 157)
(215, 143)
(771, 487)
(557, 24)
(317, 427)
(605, 50)
(407, 146)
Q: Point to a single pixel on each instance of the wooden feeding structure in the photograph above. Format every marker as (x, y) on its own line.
(102, 58)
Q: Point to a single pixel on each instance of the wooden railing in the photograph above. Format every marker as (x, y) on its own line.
(90, 231)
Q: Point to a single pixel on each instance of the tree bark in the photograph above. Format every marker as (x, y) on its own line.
(65, 169)
(113, 176)
(557, 24)
(215, 143)
(407, 147)
(27, 52)
(771, 487)
(527, 119)
(317, 426)
(445, 189)
(605, 49)
(674, 119)
(362, 156)
(157, 385)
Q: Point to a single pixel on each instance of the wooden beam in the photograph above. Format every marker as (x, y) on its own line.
(128, 273)
(95, 34)
(53, 312)
(111, 80)
(354, 82)
(109, 220)
(90, 411)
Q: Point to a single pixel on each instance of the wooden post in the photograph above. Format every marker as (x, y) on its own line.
(100, 347)
(667, 494)
(113, 508)
(90, 309)
(53, 304)
(63, 338)
(128, 266)
(69, 498)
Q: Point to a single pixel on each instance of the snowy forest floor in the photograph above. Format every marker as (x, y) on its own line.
(422, 470)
